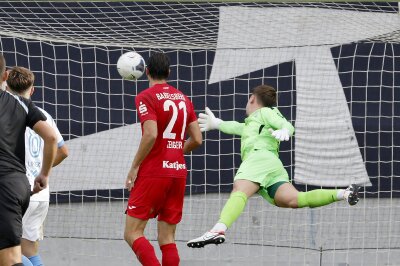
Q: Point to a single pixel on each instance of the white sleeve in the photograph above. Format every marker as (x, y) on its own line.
(60, 140)
(52, 123)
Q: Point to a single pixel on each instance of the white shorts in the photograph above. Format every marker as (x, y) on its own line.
(32, 222)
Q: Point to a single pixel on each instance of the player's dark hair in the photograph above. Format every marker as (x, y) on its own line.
(158, 66)
(20, 79)
(2, 65)
(265, 95)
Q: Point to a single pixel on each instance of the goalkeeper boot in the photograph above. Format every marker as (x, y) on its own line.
(208, 238)
(351, 194)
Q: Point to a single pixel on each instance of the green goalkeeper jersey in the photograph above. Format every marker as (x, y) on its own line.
(254, 131)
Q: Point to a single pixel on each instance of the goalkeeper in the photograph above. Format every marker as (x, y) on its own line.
(261, 170)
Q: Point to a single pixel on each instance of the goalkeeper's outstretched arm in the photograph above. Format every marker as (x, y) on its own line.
(208, 121)
(231, 127)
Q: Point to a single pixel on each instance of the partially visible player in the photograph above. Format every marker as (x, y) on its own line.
(261, 170)
(20, 82)
(3, 87)
(17, 113)
(157, 177)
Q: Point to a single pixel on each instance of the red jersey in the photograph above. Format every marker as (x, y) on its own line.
(173, 112)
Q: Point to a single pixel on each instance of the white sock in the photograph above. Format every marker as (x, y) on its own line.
(341, 195)
(219, 227)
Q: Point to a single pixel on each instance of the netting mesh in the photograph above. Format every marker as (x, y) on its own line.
(73, 48)
(136, 24)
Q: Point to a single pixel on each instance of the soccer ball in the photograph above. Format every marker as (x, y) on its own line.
(131, 65)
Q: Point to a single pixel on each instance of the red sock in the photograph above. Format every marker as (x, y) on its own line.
(145, 252)
(170, 256)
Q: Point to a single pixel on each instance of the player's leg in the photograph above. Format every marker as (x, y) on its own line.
(29, 248)
(166, 240)
(133, 235)
(246, 183)
(242, 190)
(14, 200)
(30, 251)
(10, 256)
(170, 215)
(141, 207)
(277, 190)
(287, 196)
(32, 230)
(134, 229)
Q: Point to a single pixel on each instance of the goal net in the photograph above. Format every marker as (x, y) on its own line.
(336, 67)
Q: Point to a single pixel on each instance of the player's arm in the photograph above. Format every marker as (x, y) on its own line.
(62, 149)
(281, 129)
(146, 144)
(46, 132)
(62, 153)
(208, 121)
(195, 137)
(231, 127)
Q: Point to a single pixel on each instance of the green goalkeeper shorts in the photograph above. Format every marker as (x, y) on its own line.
(265, 168)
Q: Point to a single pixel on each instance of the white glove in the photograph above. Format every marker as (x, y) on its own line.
(208, 121)
(280, 134)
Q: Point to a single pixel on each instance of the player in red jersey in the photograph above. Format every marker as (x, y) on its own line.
(157, 177)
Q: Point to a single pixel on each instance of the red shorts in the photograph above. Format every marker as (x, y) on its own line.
(157, 196)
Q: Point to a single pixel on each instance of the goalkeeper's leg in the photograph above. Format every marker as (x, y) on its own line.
(287, 196)
(242, 190)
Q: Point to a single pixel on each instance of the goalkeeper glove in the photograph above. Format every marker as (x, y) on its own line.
(208, 121)
(280, 134)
